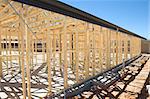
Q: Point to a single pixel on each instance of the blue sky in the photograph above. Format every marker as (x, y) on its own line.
(132, 15)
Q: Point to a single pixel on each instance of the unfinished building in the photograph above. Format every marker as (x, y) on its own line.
(50, 49)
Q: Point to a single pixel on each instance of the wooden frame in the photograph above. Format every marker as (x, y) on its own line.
(84, 47)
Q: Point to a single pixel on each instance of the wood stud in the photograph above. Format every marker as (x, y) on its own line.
(0, 55)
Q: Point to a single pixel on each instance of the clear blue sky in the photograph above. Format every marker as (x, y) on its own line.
(132, 15)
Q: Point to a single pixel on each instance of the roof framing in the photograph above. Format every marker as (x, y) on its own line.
(62, 8)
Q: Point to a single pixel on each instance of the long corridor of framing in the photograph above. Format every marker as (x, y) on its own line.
(51, 51)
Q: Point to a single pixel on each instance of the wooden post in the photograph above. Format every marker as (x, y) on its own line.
(19, 49)
(117, 46)
(49, 53)
(133, 47)
(129, 46)
(104, 48)
(60, 51)
(139, 46)
(93, 51)
(77, 57)
(22, 27)
(28, 61)
(125, 47)
(76, 41)
(1, 55)
(108, 49)
(70, 51)
(36, 51)
(87, 52)
(6, 52)
(54, 50)
(10, 49)
(120, 41)
(23, 66)
(65, 54)
(112, 47)
(100, 48)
